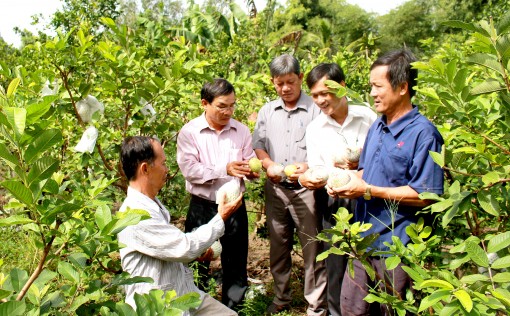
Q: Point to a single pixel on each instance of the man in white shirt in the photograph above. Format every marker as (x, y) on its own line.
(341, 126)
(155, 248)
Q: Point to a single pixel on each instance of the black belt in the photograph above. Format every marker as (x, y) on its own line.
(290, 185)
(201, 200)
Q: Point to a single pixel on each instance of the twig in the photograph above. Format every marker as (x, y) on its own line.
(40, 266)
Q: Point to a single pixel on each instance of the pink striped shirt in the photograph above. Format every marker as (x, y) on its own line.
(203, 154)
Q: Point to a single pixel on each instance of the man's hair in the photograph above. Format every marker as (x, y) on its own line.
(329, 70)
(284, 65)
(134, 151)
(216, 88)
(399, 68)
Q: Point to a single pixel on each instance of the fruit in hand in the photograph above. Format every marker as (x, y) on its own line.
(338, 178)
(290, 170)
(276, 170)
(255, 164)
(318, 174)
(216, 248)
(232, 190)
(352, 154)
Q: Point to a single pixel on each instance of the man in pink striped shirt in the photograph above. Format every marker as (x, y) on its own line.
(212, 150)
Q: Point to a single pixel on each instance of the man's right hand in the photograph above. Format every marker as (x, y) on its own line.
(227, 209)
(308, 182)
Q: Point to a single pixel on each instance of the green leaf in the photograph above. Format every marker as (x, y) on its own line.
(78, 301)
(503, 277)
(437, 157)
(499, 242)
(4, 294)
(103, 216)
(501, 263)
(502, 295)
(436, 283)
(477, 254)
(12, 87)
(473, 278)
(43, 142)
(36, 110)
(369, 269)
(17, 280)
(488, 86)
(42, 169)
(486, 60)
(463, 25)
(504, 24)
(187, 301)
(17, 119)
(19, 191)
(488, 202)
(14, 220)
(124, 309)
(392, 262)
(433, 298)
(12, 308)
(490, 177)
(416, 276)
(464, 299)
(8, 157)
(69, 272)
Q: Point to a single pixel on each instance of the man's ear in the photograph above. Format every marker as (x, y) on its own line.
(404, 87)
(343, 84)
(301, 76)
(204, 102)
(143, 168)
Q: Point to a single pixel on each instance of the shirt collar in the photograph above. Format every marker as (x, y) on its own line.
(301, 103)
(396, 127)
(203, 124)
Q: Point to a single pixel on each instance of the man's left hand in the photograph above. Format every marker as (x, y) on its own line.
(352, 190)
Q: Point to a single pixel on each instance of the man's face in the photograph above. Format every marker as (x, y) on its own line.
(288, 87)
(386, 100)
(328, 102)
(158, 170)
(220, 110)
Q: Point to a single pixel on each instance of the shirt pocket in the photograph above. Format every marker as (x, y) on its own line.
(396, 165)
(300, 138)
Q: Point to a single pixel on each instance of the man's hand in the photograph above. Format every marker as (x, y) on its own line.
(301, 169)
(238, 169)
(227, 209)
(347, 165)
(275, 178)
(354, 189)
(253, 175)
(309, 182)
(208, 255)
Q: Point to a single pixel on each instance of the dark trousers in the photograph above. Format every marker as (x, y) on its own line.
(354, 290)
(234, 242)
(335, 264)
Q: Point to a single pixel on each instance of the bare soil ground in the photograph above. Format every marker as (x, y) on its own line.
(259, 275)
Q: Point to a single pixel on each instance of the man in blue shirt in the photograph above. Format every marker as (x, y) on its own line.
(395, 167)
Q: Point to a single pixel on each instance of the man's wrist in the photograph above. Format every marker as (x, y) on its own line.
(368, 193)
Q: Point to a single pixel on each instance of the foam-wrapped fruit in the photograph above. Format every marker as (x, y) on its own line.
(276, 170)
(338, 178)
(318, 174)
(216, 248)
(232, 190)
(352, 154)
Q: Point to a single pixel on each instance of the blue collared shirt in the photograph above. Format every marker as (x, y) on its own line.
(393, 156)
